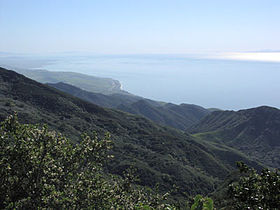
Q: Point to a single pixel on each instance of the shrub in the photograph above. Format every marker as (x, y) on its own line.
(256, 191)
(43, 169)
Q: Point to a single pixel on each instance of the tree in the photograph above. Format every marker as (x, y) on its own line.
(201, 203)
(256, 191)
(43, 169)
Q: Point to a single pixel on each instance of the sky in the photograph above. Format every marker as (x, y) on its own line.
(144, 26)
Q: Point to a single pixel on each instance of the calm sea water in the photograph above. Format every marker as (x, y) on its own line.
(225, 84)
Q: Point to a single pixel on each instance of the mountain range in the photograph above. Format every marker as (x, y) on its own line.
(162, 155)
(255, 132)
(177, 116)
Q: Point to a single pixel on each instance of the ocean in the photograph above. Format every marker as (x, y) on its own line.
(218, 83)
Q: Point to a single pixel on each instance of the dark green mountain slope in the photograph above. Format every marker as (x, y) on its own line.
(177, 116)
(161, 155)
(255, 132)
(108, 101)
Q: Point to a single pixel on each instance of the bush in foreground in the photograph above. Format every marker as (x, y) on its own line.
(256, 191)
(43, 169)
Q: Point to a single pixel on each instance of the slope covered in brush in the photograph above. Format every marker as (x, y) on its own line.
(255, 132)
(177, 116)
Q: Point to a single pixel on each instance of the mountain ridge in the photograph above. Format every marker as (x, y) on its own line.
(160, 154)
(255, 132)
(178, 116)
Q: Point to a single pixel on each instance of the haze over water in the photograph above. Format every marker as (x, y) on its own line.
(139, 32)
(194, 79)
(225, 84)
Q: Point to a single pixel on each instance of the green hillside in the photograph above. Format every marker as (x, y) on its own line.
(86, 82)
(255, 132)
(176, 116)
(108, 101)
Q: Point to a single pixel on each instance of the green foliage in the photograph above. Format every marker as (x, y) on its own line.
(43, 169)
(256, 191)
(254, 132)
(201, 203)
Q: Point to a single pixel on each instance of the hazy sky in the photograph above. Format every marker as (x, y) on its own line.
(139, 26)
